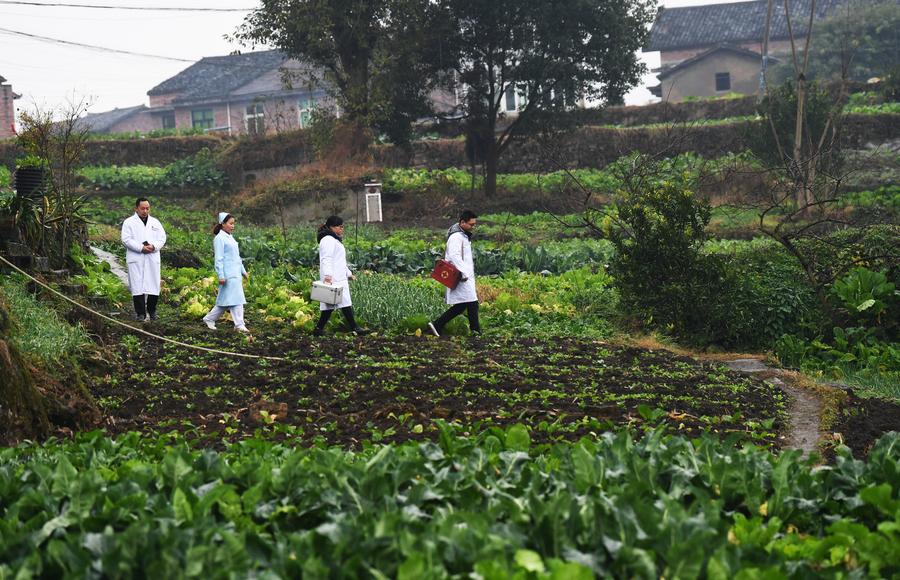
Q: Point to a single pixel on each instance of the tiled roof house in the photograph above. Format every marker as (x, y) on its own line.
(716, 48)
(117, 120)
(240, 93)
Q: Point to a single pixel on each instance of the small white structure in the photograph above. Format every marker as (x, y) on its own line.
(373, 202)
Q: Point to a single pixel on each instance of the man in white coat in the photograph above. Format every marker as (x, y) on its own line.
(463, 297)
(143, 237)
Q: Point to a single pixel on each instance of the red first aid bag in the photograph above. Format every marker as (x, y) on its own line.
(446, 273)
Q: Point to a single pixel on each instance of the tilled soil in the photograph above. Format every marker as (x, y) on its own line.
(862, 421)
(349, 390)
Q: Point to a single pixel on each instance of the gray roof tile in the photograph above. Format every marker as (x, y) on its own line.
(696, 26)
(102, 122)
(214, 77)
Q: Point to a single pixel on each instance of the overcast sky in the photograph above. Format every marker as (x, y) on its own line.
(48, 74)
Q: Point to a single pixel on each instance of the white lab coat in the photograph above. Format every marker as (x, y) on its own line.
(143, 269)
(459, 252)
(333, 262)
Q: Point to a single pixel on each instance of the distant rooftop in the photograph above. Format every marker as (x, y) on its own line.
(735, 23)
(102, 122)
(215, 76)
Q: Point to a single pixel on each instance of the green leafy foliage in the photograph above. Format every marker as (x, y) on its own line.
(31, 161)
(97, 277)
(614, 506)
(762, 296)
(877, 109)
(5, 177)
(557, 182)
(198, 173)
(886, 197)
(871, 103)
(866, 295)
(152, 134)
(40, 332)
(661, 273)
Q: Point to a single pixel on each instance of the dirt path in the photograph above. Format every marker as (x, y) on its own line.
(804, 409)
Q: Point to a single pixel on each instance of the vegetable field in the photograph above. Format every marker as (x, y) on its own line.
(575, 439)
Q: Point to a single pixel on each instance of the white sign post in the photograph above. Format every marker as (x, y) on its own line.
(373, 202)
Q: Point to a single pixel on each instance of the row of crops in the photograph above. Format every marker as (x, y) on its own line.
(488, 505)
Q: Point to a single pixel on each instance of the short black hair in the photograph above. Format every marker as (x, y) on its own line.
(139, 200)
(334, 221)
(467, 215)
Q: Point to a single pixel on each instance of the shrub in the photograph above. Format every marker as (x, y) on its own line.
(764, 295)
(659, 269)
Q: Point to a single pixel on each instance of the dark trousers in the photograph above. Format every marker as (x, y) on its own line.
(145, 304)
(471, 309)
(347, 311)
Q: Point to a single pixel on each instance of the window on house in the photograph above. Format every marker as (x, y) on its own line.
(168, 121)
(306, 107)
(723, 81)
(255, 119)
(511, 99)
(202, 119)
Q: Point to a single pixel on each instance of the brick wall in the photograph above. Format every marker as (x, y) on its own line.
(142, 121)
(162, 100)
(7, 112)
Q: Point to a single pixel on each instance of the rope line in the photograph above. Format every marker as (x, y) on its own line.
(134, 328)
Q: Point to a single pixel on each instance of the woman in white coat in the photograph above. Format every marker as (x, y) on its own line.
(230, 271)
(463, 298)
(143, 237)
(333, 270)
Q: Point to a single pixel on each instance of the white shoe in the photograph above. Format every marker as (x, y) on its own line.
(433, 330)
(242, 329)
(210, 324)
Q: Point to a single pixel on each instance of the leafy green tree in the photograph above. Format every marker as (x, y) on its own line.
(658, 227)
(553, 54)
(367, 49)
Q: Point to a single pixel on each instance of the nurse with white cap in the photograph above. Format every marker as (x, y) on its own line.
(229, 270)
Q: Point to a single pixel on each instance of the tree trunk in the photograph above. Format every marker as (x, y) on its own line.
(491, 158)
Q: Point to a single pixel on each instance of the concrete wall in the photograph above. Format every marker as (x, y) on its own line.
(699, 79)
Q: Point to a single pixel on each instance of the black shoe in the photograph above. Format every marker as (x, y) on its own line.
(318, 332)
(139, 317)
(360, 331)
(153, 316)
